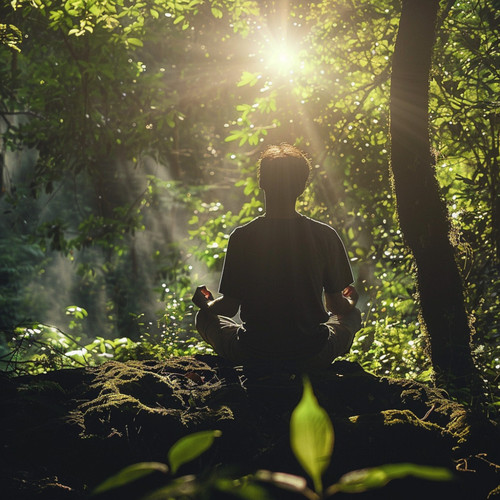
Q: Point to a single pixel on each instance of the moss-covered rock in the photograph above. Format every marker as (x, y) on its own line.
(64, 432)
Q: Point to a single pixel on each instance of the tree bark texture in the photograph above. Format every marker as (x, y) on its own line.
(422, 213)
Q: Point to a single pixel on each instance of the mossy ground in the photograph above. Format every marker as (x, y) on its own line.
(64, 432)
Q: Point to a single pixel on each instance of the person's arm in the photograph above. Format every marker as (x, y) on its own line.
(224, 306)
(341, 303)
(337, 276)
(221, 306)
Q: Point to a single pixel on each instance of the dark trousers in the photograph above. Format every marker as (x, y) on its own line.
(222, 334)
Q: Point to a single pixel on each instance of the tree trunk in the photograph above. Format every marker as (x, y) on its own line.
(422, 213)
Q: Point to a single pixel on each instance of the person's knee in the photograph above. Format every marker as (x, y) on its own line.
(351, 321)
(201, 322)
(199, 319)
(345, 331)
(345, 338)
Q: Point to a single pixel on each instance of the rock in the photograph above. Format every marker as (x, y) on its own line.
(64, 432)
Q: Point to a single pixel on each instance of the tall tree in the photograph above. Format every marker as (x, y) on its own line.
(422, 213)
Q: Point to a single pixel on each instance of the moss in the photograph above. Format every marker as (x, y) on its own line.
(494, 494)
(123, 391)
(394, 417)
(97, 420)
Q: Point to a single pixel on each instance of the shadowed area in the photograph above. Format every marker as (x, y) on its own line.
(66, 431)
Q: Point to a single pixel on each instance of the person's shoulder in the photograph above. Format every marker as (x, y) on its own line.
(324, 232)
(321, 227)
(245, 228)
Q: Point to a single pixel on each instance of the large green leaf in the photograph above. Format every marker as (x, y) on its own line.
(311, 435)
(129, 474)
(189, 447)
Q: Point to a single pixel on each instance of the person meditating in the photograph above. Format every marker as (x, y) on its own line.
(287, 274)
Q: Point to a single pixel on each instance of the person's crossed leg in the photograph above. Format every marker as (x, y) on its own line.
(222, 334)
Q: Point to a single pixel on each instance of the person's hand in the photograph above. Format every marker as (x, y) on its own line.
(202, 296)
(351, 295)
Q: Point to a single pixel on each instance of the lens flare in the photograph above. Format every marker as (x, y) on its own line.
(282, 58)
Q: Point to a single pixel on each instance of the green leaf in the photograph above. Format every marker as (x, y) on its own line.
(129, 474)
(234, 136)
(170, 120)
(77, 312)
(248, 78)
(95, 10)
(376, 477)
(253, 140)
(217, 13)
(311, 436)
(135, 41)
(190, 447)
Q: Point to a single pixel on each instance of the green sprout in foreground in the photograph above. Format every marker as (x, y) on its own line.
(312, 439)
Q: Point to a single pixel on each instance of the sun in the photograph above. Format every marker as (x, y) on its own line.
(281, 57)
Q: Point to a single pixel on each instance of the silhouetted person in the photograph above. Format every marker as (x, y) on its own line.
(290, 276)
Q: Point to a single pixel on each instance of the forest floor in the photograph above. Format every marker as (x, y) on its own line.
(64, 432)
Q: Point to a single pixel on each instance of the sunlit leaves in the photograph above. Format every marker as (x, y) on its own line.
(10, 36)
(40, 348)
(80, 17)
(464, 86)
(135, 41)
(248, 78)
(239, 134)
(217, 13)
(177, 81)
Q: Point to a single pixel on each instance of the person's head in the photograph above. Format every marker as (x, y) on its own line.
(284, 169)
